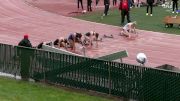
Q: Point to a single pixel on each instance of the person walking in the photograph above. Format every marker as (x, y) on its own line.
(175, 5)
(80, 1)
(89, 8)
(149, 4)
(124, 8)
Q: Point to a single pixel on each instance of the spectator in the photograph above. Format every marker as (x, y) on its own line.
(106, 7)
(114, 2)
(149, 4)
(89, 8)
(25, 57)
(124, 7)
(131, 3)
(175, 5)
(25, 42)
(80, 1)
(137, 3)
(97, 1)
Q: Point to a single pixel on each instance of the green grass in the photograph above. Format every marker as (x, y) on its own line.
(13, 90)
(154, 23)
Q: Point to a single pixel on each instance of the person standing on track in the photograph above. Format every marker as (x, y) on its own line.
(97, 1)
(80, 1)
(89, 8)
(114, 2)
(124, 7)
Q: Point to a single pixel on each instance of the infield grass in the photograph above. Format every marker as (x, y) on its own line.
(150, 23)
(15, 90)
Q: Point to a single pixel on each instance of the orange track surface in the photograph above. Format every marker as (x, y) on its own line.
(44, 20)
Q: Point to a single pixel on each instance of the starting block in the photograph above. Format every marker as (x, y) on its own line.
(108, 36)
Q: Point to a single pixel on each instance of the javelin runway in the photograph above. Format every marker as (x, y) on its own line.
(18, 17)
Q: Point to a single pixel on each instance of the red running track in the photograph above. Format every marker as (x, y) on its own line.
(18, 17)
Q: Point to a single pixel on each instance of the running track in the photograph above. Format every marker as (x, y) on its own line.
(18, 17)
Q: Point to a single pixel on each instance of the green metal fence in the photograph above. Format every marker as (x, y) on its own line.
(120, 79)
(8, 60)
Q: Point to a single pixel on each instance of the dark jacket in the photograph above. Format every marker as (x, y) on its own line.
(174, 0)
(89, 1)
(120, 5)
(25, 43)
(150, 1)
(97, 1)
(106, 2)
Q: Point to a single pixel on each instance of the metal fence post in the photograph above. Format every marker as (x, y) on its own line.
(109, 70)
(43, 68)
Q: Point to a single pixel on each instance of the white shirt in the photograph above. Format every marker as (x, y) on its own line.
(127, 26)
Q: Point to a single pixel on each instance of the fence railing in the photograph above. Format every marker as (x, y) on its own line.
(120, 79)
(8, 60)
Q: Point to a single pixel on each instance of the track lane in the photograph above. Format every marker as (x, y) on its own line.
(18, 17)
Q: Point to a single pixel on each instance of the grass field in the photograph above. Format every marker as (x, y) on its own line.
(154, 23)
(13, 90)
